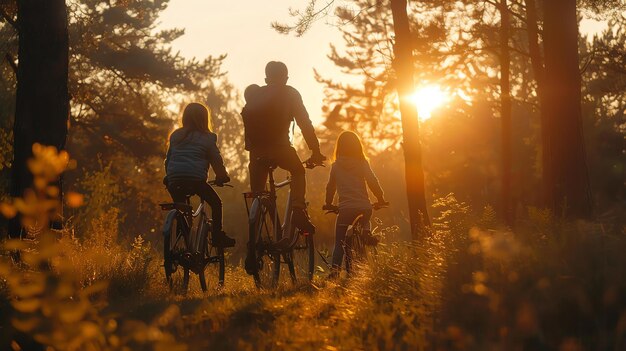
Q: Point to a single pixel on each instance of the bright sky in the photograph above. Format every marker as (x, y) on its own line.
(242, 30)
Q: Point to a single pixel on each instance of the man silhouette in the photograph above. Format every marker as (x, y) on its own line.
(268, 115)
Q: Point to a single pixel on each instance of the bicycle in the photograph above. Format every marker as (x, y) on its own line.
(187, 250)
(355, 249)
(266, 233)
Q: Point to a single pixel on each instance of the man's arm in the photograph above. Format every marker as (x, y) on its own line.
(303, 121)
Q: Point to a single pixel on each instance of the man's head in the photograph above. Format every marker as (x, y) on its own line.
(276, 73)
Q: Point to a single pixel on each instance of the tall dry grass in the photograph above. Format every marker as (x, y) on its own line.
(55, 294)
(468, 284)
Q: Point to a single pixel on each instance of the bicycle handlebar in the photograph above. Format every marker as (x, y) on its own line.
(335, 209)
(212, 182)
(380, 205)
(310, 164)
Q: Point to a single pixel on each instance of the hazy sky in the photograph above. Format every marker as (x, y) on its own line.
(242, 30)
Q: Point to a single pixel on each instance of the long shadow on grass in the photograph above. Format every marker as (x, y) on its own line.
(223, 321)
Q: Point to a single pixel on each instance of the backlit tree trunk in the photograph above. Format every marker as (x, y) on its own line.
(565, 150)
(536, 60)
(404, 68)
(505, 111)
(42, 99)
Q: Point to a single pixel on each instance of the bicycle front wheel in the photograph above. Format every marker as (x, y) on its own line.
(214, 255)
(174, 249)
(302, 260)
(211, 254)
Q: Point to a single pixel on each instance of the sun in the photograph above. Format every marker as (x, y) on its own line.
(427, 99)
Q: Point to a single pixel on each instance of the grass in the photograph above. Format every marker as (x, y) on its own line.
(468, 284)
(459, 290)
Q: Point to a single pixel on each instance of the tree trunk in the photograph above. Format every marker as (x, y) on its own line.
(505, 111)
(536, 61)
(569, 176)
(404, 67)
(42, 98)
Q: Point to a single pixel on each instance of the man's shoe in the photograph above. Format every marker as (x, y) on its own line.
(251, 265)
(301, 220)
(220, 239)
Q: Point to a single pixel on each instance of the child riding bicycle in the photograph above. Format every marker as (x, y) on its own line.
(349, 177)
(192, 149)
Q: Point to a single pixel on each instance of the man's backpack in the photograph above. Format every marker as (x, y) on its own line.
(266, 119)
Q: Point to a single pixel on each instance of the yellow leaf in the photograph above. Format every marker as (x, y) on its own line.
(89, 330)
(5, 269)
(52, 191)
(73, 312)
(74, 199)
(28, 290)
(15, 244)
(7, 210)
(25, 325)
(27, 305)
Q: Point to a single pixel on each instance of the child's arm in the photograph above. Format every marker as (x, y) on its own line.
(373, 183)
(215, 158)
(331, 187)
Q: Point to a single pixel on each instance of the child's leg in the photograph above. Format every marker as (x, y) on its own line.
(178, 191)
(344, 219)
(208, 194)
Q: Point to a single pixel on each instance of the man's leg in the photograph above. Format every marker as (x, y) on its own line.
(288, 160)
(258, 172)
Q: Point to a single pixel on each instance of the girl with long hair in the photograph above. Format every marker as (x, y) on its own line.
(350, 176)
(192, 150)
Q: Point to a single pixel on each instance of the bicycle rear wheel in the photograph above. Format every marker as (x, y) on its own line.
(264, 230)
(174, 253)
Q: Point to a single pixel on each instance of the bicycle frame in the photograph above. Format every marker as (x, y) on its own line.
(254, 209)
(188, 221)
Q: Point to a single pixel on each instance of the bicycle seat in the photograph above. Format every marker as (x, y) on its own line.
(267, 162)
(176, 206)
